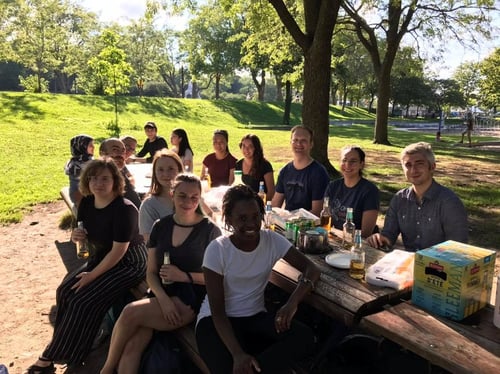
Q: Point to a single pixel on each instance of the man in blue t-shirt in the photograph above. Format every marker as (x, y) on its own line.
(302, 182)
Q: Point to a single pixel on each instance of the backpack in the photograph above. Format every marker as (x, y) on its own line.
(161, 355)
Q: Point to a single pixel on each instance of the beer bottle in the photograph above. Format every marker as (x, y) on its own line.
(348, 230)
(325, 217)
(357, 266)
(82, 246)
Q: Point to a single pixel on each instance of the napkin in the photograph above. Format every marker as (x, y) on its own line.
(394, 270)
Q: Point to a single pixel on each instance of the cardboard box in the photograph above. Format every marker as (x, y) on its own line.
(453, 279)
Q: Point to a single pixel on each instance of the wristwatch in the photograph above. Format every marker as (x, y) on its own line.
(306, 281)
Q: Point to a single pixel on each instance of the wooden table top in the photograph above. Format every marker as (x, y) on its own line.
(336, 293)
(470, 346)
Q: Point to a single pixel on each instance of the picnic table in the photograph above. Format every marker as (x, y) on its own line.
(459, 347)
(337, 294)
(142, 176)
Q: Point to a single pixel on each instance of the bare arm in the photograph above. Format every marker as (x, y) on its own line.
(310, 274)
(269, 180)
(231, 176)
(278, 200)
(110, 260)
(316, 207)
(368, 222)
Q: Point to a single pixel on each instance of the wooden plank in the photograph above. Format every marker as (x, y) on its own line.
(430, 338)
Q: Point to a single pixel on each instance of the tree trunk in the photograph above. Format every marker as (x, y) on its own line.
(384, 93)
(279, 88)
(262, 86)
(217, 86)
(315, 106)
(316, 45)
(288, 103)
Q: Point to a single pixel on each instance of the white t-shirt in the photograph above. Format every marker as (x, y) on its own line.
(245, 273)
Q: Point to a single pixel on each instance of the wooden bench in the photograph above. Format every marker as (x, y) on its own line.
(67, 199)
(184, 335)
(453, 346)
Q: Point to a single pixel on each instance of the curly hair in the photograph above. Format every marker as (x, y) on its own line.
(94, 168)
(239, 193)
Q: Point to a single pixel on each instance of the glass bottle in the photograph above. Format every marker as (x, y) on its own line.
(82, 246)
(357, 266)
(166, 261)
(348, 230)
(325, 217)
(208, 178)
(269, 216)
(262, 193)
(238, 174)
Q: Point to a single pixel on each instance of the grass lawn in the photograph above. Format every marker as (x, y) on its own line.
(35, 132)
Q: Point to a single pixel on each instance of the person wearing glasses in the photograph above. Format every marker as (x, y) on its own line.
(130, 146)
(302, 182)
(117, 262)
(115, 149)
(425, 213)
(353, 191)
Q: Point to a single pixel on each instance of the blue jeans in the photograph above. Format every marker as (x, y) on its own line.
(257, 335)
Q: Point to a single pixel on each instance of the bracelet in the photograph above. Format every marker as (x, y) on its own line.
(190, 277)
(306, 281)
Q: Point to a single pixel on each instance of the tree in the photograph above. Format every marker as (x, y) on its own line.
(210, 44)
(46, 37)
(490, 82)
(468, 77)
(394, 19)
(318, 18)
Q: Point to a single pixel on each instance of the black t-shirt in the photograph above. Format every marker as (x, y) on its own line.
(188, 256)
(118, 222)
(152, 147)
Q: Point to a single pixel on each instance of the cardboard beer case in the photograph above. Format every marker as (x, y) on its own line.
(453, 279)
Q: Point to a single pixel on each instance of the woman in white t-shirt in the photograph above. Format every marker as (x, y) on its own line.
(234, 332)
(180, 143)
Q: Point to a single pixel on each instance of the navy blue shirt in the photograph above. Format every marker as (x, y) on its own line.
(302, 187)
(362, 197)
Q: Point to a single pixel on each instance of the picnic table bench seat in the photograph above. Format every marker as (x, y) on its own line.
(454, 346)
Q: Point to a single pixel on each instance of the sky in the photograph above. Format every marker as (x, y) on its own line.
(123, 10)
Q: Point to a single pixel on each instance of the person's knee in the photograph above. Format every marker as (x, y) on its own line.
(131, 315)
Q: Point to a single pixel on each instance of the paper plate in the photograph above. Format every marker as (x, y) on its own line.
(339, 260)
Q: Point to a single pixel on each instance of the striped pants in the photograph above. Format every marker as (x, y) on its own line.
(79, 315)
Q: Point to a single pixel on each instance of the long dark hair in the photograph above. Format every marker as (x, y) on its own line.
(258, 155)
(184, 144)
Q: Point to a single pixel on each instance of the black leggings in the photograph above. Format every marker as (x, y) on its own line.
(257, 336)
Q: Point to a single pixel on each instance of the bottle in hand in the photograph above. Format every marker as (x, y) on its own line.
(82, 246)
(166, 261)
(348, 230)
(262, 193)
(325, 217)
(357, 266)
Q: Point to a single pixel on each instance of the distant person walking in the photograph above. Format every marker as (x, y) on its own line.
(469, 122)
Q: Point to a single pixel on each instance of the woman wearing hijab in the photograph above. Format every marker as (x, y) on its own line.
(82, 150)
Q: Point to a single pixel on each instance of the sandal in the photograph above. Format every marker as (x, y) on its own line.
(35, 369)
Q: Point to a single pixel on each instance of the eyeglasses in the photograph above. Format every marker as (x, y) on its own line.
(100, 179)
